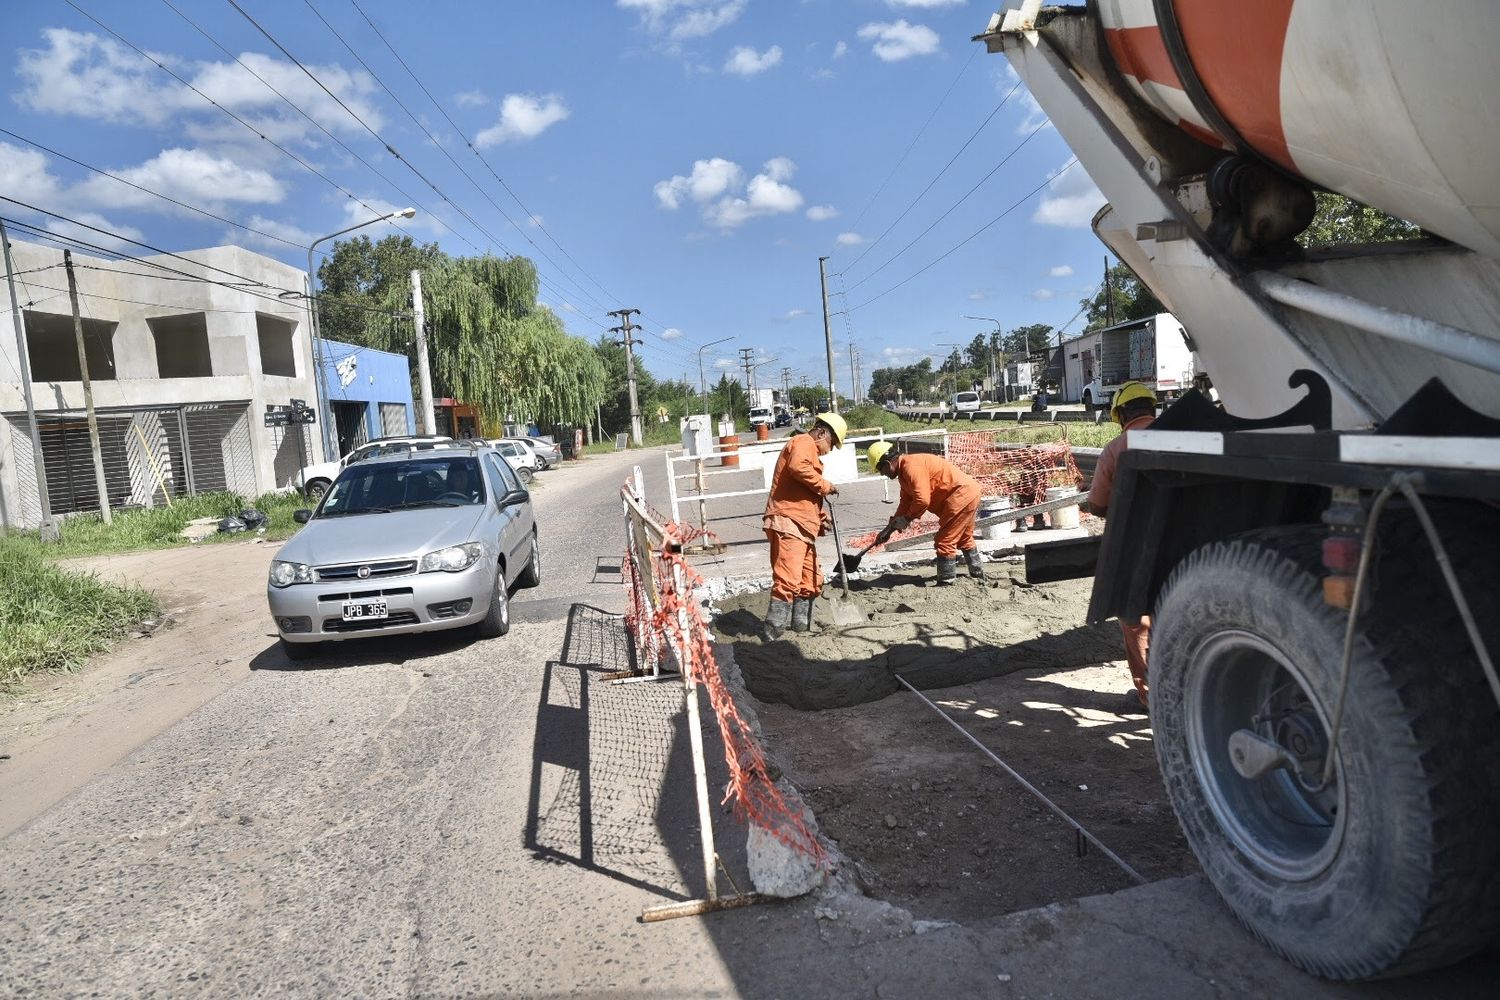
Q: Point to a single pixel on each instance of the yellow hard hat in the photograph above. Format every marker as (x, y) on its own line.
(834, 423)
(877, 453)
(1128, 393)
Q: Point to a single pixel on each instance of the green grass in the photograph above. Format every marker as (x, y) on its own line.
(159, 527)
(1080, 435)
(52, 619)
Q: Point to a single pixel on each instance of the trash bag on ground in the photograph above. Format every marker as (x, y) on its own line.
(231, 525)
(253, 518)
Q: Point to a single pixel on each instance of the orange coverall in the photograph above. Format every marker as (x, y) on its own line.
(794, 519)
(931, 482)
(1137, 632)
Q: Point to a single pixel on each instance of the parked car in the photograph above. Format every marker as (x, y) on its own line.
(314, 480)
(783, 418)
(547, 452)
(409, 542)
(762, 415)
(522, 458)
(965, 402)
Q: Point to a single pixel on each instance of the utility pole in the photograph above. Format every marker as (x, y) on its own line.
(88, 391)
(747, 362)
(424, 367)
(48, 527)
(1109, 296)
(625, 329)
(786, 388)
(833, 396)
(853, 378)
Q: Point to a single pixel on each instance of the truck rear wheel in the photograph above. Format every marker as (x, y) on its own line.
(1392, 867)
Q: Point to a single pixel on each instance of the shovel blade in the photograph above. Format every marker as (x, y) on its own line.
(847, 612)
(850, 564)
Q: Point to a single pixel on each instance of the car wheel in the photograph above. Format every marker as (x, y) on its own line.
(1389, 868)
(299, 651)
(531, 576)
(316, 489)
(497, 622)
(525, 475)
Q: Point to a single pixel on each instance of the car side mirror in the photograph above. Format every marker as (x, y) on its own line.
(514, 497)
(301, 516)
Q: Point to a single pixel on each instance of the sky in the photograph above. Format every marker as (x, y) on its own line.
(688, 158)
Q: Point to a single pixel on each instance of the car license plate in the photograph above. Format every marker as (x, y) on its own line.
(360, 611)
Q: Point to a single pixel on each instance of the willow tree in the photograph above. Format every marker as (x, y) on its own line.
(491, 344)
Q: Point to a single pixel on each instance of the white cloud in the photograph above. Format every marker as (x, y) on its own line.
(745, 61)
(236, 87)
(822, 213)
(892, 41)
(849, 239)
(471, 99)
(78, 73)
(680, 20)
(535, 220)
(1061, 271)
(272, 228)
(726, 363)
(791, 314)
(840, 50)
(899, 353)
(1043, 294)
(671, 333)
(1071, 200)
(726, 201)
(569, 307)
(523, 116)
(978, 296)
(189, 175)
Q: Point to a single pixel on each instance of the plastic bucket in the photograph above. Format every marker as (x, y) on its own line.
(730, 443)
(762, 432)
(1067, 517)
(989, 507)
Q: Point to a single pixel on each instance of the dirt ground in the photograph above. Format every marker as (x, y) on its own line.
(929, 822)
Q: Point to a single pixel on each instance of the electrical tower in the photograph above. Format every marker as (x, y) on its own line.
(625, 330)
(747, 362)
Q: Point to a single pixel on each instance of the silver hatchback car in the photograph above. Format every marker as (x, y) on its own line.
(408, 542)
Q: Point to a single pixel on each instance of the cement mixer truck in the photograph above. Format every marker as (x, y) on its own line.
(1320, 555)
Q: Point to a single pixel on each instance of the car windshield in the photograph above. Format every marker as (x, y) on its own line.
(381, 487)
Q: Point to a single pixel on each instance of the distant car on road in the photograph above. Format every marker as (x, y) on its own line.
(965, 402)
(409, 542)
(314, 480)
(824, 406)
(783, 419)
(521, 456)
(548, 453)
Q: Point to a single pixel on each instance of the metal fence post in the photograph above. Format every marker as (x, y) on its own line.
(695, 734)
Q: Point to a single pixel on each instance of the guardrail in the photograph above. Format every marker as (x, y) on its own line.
(1048, 416)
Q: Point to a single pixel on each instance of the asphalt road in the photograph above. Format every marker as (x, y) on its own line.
(445, 816)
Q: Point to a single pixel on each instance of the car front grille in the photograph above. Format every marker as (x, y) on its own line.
(350, 571)
(373, 625)
(367, 595)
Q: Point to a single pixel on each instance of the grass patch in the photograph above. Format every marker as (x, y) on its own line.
(1079, 435)
(52, 619)
(159, 527)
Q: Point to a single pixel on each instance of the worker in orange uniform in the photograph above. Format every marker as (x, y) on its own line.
(1134, 408)
(931, 482)
(793, 521)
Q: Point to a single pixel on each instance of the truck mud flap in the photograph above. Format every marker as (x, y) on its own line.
(1068, 559)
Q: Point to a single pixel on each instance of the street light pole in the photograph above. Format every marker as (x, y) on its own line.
(320, 380)
(702, 388)
(991, 319)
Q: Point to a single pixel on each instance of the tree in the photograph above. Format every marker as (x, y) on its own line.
(1027, 340)
(489, 342)
(1131, 299)
(1340, 221)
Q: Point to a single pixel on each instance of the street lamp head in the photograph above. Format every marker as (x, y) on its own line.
(405, 213)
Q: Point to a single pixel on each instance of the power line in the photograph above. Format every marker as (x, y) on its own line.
(253, 130)
(1021, 201)
(937, 177)
(952, 208)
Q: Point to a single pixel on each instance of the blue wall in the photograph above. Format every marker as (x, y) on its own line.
(377, 377)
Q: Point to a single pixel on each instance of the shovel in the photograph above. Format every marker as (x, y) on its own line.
(846, 611)
(850, 564)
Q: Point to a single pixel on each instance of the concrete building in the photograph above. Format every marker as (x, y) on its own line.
(369, 394)
(183, 371)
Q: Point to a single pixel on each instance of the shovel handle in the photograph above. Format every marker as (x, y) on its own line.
(833, 520)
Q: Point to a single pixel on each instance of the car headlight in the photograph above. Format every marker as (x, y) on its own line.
(452, 559)
(284, 574)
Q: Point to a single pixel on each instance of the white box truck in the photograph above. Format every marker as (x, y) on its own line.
(1154, 351)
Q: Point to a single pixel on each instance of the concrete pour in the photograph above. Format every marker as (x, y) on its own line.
(933, 636)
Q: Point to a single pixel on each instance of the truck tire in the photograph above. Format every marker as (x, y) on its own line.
(1392, 868)
(1088, 401)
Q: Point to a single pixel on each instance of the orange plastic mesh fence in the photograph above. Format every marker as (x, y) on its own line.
(755, 796)
(1023, 472)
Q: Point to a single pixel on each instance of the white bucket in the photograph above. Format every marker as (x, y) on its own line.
(989, 507)
(1067, 517)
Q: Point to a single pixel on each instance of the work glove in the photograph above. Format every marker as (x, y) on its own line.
(899, 524)
(884, 536)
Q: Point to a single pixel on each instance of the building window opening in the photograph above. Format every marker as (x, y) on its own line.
(181, 346)
(276, 354)
(52, 348)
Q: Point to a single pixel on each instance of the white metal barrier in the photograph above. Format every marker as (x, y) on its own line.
(840, 466)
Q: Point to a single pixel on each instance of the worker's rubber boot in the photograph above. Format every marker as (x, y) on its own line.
(778, 617)
(802, 609)
(975, 564)
(947, 570)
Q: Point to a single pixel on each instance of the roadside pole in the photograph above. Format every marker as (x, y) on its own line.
(625, 329)
(833, 393)
(48, 526)
(88, 391)
(424, 367)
